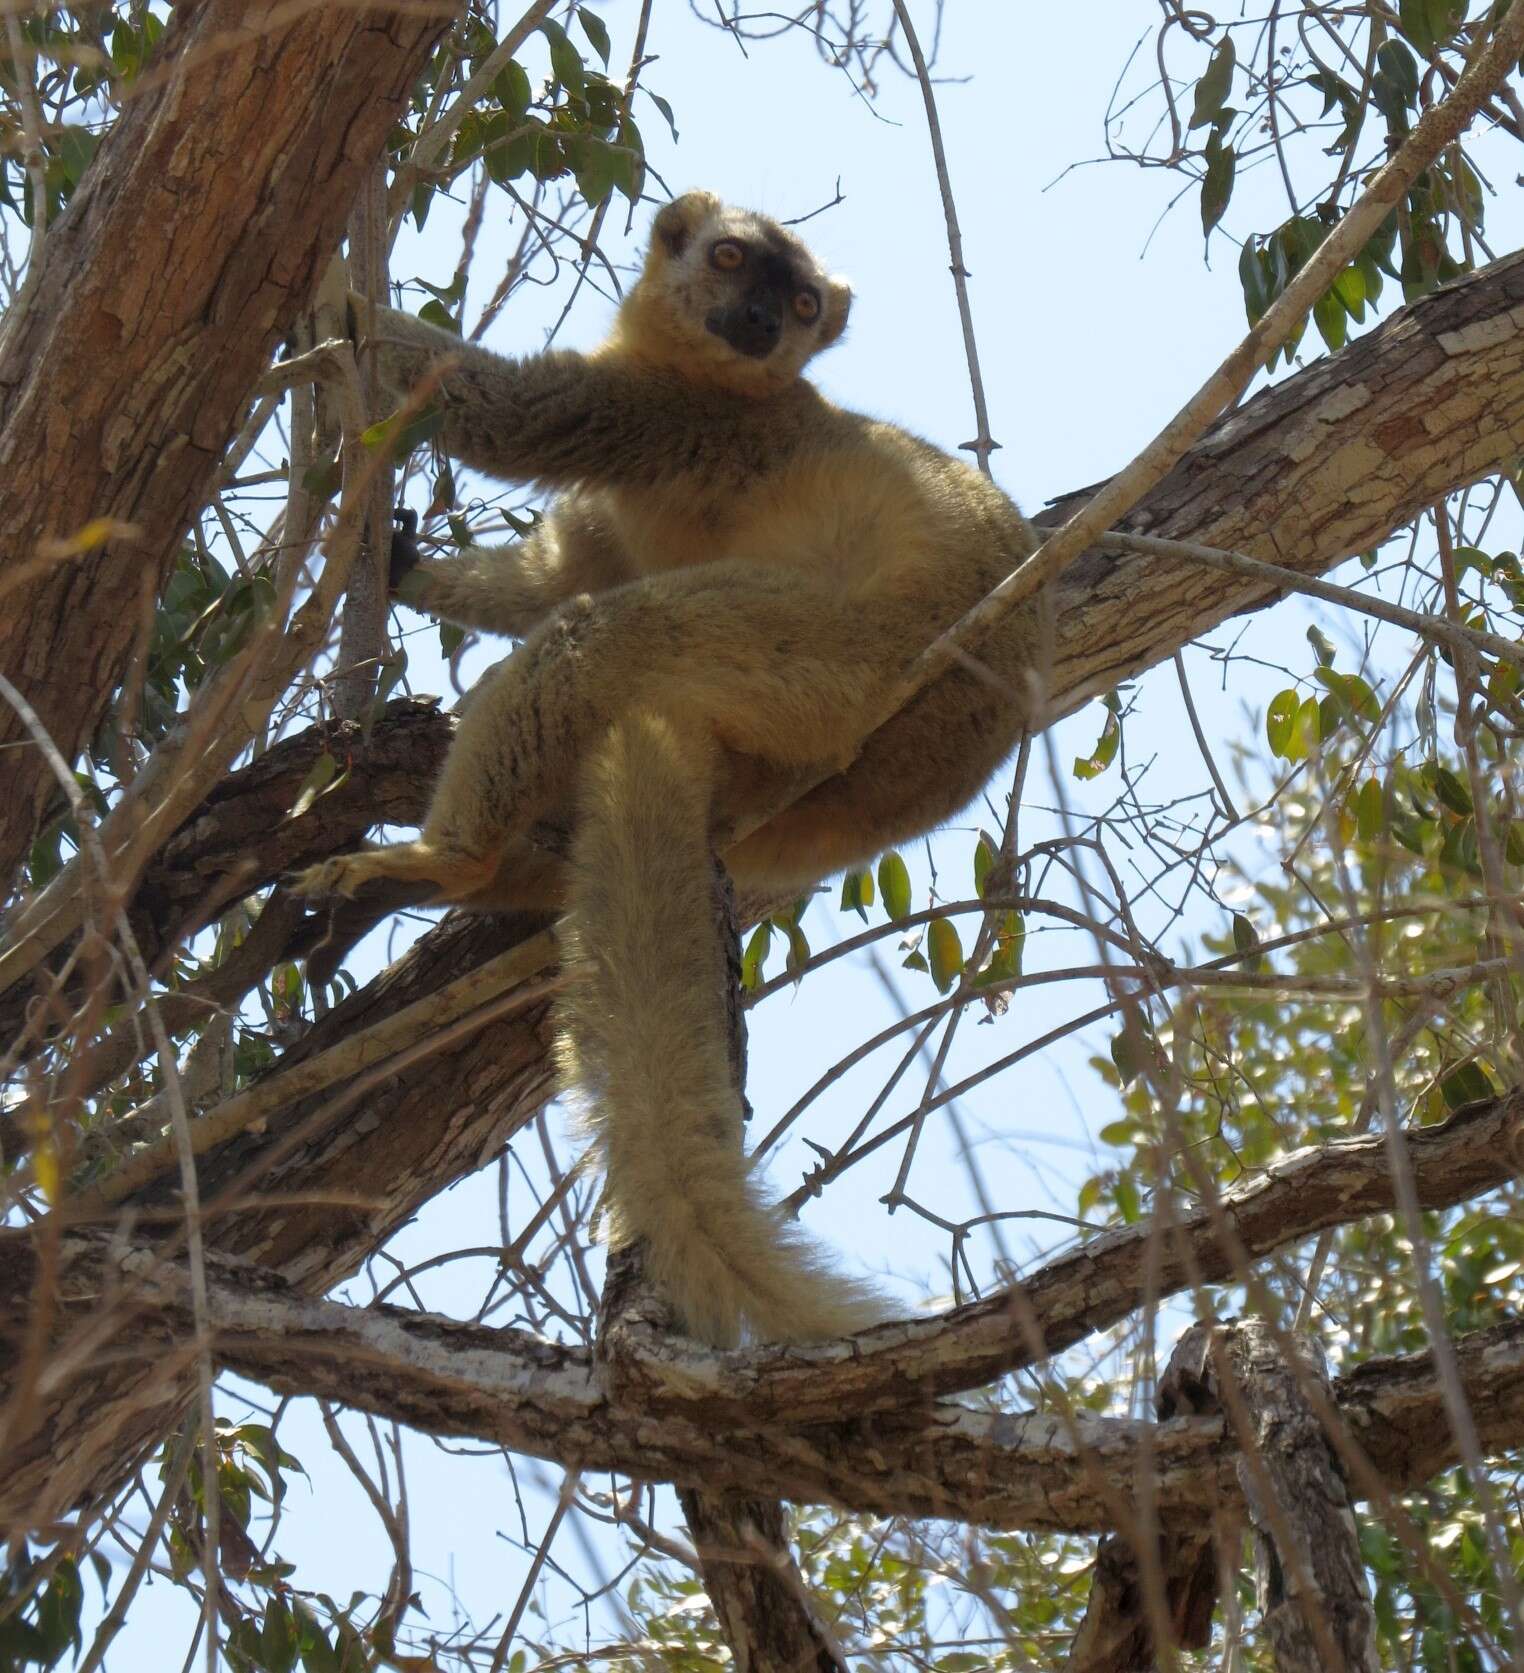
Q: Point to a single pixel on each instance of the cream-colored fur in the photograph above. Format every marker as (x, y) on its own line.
(732, 578)
(644, 1041)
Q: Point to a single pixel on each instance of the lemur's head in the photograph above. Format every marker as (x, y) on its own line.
(731, 298)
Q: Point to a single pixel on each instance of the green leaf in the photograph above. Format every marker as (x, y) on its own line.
(946, 952)
(1129, 1204)
(58, 1612)
(1468, 1083)
(76, 146)
(1309, 729)
(277, 1638)
(512, 91)
(760, 940)
(1449, 787)
(1215, 84)
(798, 948)
(1322, 646)
(1105, 751)
(1257, 280)
(436, 313)
(1349, 287)
(1280, 722)
(1354, 695)
(984, 858)
(592, 27)
(857, 893)
(1010, 943)
(320, 778)
(1331, 320)
(665, 108)
(1370, 813)
(565, 60)
(894, 886)
(1134, 1050)
(1246, 941)
(1217, 182)
(398, 438)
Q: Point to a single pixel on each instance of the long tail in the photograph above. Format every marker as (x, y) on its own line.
(644, 1037)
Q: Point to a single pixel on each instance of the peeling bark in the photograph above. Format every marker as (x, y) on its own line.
(725, 1422)
(130, 1314)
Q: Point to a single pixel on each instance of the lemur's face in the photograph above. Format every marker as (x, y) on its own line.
(736, 295)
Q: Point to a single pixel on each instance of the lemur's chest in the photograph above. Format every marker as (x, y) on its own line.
(817, 515)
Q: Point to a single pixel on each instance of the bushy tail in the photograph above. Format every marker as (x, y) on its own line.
(644, 1037)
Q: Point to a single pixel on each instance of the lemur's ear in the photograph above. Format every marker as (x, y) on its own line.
(833, 317)
(676, 222)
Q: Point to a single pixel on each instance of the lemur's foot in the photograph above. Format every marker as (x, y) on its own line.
(455, 875)
(338, 876)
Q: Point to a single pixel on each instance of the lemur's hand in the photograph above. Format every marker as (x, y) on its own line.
(405, 552)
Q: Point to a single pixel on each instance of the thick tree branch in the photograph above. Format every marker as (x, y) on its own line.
(243, 837)
(196, 237)
(1097, 1284)
(876, 1378)
(513, 1389)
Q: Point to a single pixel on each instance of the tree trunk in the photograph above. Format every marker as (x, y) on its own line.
(196, 237)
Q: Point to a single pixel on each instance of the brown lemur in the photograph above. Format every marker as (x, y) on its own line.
(730, 581)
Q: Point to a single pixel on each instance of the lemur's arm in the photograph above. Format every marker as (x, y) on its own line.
(508, 589)
(562, 418)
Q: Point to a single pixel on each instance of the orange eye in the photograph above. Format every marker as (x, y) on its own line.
(807, 306)
(727, 255)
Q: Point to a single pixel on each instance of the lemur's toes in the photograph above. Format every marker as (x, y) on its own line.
(328, 877)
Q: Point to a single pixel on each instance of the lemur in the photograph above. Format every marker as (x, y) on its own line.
(731, 578)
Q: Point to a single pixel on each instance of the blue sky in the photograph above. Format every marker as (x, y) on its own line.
(1087, 347)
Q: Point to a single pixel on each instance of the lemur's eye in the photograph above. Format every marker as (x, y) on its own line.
(727, 255)
(807, 305)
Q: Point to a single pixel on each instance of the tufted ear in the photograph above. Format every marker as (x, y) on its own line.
(838, 304)
(676, 222)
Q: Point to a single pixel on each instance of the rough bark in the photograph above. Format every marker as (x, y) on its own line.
(243, 837)
(1117, 1633)
(514, 1389)
(195, 238)
(1101, 1282)
(1327, 461)
(786, 1422)
(1321, 466)
(311, 1195)
(768, 1618)
(1313, 1595)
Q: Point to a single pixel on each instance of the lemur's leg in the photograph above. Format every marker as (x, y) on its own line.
(968, 719)
(763, 661)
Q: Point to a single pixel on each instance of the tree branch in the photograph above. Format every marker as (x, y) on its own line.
(513, 1389)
